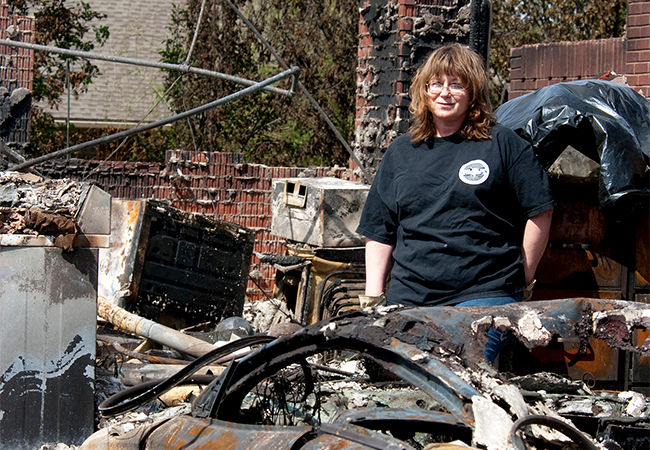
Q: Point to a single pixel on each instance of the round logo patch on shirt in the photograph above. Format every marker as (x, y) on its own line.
(474, 172)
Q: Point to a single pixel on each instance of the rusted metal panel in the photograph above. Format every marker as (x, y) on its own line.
(47, 361)
(597, 362)
(118, 262)
(192, 433)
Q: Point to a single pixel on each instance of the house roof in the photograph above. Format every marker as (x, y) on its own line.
(125, 93)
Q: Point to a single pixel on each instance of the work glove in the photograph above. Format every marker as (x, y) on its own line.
(528, 290)
(365, 301)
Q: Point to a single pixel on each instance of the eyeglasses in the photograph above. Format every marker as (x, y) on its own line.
(436, 87)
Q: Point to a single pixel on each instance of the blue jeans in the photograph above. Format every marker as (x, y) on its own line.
(496, 339)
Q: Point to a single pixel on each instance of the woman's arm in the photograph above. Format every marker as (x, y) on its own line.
(534, 243)
(378, 261)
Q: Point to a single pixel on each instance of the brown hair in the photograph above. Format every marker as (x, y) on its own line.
(458, 60)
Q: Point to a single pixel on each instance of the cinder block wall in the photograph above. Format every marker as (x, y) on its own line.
(220, 185)
(536, 66)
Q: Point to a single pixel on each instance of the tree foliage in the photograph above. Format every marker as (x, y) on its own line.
(319, 36)
(64, 26)
(518, 22)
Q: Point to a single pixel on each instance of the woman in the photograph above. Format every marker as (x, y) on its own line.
(460, 208)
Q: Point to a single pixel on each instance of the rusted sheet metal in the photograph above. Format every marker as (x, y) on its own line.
(189, 432)
(595, 361)
(192, 433)
(118, 262)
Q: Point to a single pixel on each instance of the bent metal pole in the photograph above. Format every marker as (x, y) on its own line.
(186, 68)
(126, 133)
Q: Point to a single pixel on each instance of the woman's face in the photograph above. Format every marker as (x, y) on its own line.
(448, 102)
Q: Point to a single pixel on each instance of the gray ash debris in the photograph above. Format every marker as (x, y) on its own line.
(31, 205)
(23, 191)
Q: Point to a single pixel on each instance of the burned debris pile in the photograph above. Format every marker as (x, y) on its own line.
(403, 377)
(30, 205)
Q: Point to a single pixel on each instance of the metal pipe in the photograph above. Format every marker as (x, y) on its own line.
(67, 120)
(159, 123)
(196, 33)
(141, 62)
(139, 326)
(365, 175)
(16, 157)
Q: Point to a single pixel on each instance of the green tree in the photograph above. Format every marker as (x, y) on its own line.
(319, 36)
(518, 22)
(59, 24)
(64, 26)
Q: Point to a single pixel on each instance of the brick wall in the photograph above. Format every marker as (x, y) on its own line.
(395, 37)
(638, 45)
(16, 64)
(220, 185)
(536, 66)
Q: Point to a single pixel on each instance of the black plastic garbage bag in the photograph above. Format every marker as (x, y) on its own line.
(606, 121)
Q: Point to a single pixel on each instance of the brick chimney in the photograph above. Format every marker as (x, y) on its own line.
(638, 45)
(395, 37)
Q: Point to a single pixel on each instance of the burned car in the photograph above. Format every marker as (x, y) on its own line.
(406, 378)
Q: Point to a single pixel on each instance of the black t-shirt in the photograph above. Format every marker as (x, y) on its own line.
(455, 210)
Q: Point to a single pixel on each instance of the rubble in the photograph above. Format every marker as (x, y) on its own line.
(32, 206)
(368, 371)
(24, 191)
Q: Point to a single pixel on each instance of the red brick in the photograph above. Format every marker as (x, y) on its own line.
(638, 32)
(633, 57)
(406, 11)
(633, 8)
(639, 44)
(530, 84)
(638, 20)
(643, 80)
(644, 55)
(366, 40)
(404, 24)
(638, 7)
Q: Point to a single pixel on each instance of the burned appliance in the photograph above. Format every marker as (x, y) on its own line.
(176, 268)
(322, 212)
(319, 216)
